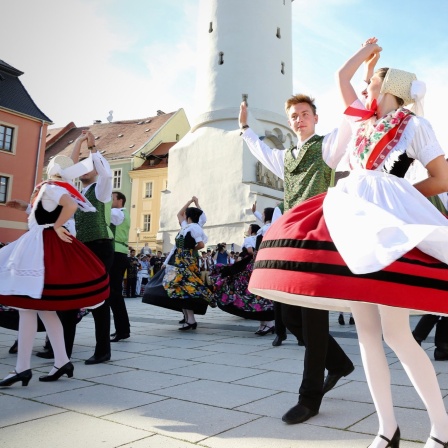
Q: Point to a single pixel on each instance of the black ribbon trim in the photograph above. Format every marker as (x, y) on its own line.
(329, 246)
(68, 297)
(76, 285)
(344, 271)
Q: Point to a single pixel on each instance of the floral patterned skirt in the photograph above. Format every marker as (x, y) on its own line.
(232, 294)
(183, 280)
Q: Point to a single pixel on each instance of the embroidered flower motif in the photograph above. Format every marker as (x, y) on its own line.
(368, 136)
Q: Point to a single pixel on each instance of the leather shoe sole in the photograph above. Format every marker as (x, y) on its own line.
(331, 380)
(97, 359)
(117, 337)
(298, 414)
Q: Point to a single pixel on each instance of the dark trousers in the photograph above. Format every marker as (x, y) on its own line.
(426, 324)
(116, 300)
(104, 250)
(321, 351)
(280, 328)
(131, 284)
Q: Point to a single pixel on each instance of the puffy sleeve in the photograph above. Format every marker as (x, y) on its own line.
(424, 146)
(249, 241)
(51, 196)
(197, 233)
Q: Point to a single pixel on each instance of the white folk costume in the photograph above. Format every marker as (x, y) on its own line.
(39, 271)
(373, 237)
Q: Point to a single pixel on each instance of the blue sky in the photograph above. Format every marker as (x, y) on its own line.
(83, 58)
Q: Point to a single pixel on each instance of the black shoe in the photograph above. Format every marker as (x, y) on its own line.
(188, 326)
(66, 369)
(351, 321)
(46, 354)
(14, 347)
(97, 359)
(298, 414)
(440, 355)
(332, 379)
(213, 303)
(394, 442)
(278, 340)
(445, 445)
(24, 376)
(182, 321)
(341, 319)
(118, 337)
(301, 342)
(264, 330)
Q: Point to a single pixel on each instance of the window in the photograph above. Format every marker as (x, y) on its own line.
(4, 183)
(117, 179)
(278, 33)
(210, 27)
(6, 134)
(283, 68)
(146, 223)
(148, 190)
(78, 185)
(221, 58)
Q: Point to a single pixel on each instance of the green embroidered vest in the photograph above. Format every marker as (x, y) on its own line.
(91, 226)
(306, 176)
(121, 233)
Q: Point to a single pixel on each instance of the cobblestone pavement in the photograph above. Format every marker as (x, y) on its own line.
(219, 386)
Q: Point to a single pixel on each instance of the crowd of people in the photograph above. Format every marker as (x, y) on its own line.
(371, 244)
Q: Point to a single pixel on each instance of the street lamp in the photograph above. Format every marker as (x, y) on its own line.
(138, 237)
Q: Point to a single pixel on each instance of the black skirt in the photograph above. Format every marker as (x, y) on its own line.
(155, 294)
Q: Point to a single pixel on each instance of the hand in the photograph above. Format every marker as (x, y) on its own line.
(243, 114)
(18, 204)
(254, 207)
(90, 139)
(83, 136)
(64, 234)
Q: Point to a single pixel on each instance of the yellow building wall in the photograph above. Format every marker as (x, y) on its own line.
(146, 206)
(174, 130)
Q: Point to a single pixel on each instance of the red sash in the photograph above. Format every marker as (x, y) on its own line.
(386, 144)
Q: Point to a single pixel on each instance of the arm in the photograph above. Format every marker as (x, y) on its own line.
(438, 181)
(103, 188)
(116, 216)
(273, 160)
(181, 212)
(17, 204)
(348, 70)
(256, 213)
(69, 207)
(199, 245)
(77, 146)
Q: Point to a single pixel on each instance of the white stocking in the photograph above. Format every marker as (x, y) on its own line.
(398, 336)
(368, 325)
(55, 333)
(27, 334)
(393, 323)
(189, 316)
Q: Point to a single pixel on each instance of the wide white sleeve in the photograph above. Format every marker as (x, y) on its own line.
(258, 215)
(249, 242)
(116, 216)
(334, 145)
(424, 146)
(103, 188)
(277, 213)
(202, 219)
(197, 233)
(51, 196)
(272, 159)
